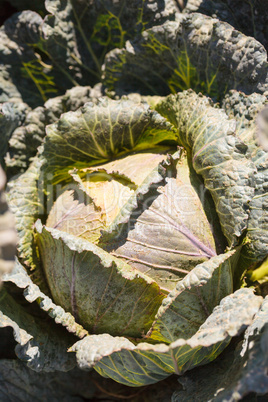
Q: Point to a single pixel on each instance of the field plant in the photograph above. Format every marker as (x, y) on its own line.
(133, 200)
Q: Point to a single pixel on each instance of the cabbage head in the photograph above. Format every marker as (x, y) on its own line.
(131, 220)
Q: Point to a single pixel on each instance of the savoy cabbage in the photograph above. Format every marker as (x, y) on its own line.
(134, 140)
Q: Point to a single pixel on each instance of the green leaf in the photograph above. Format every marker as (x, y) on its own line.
(24, 75)
(121, 360)
(195, 52)
(185, 309)
(237, 373)
(29, 136)
(98, 132)
(26, 198)
(244, 109)
(44, 57)
(250, 113)
(19, 277)
(8, 236)
(19, 382)
(217, 155)
(256, 249)
(102, 292)
(78, 34)
(11, 116)
(249, 16)
(41, 343)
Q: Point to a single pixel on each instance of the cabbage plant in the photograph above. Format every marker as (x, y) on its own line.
(124, 223)
(141, 217)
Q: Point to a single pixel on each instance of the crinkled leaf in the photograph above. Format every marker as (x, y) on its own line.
(19, 277)
(26, 139)
(23, 74)
(121, 360)
(249, 17)
(11, 116)
(250, 114)
(185, 309)
(40, 343)
(257, 247)
(27, 202)
(235, 374)
(24, 142)
(217, 155)
(79, 33)
(245, 109)
(102, 292)
(195, 52)
(8, 237)
(43, 58)
(99, 132)
(162, 230)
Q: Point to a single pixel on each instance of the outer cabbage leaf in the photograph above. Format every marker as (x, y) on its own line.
(245, 109)
(27, 202)
(217, 155)
(100, 131)
(249, 17)
(256, 249)
(186, 308)
(249, 112)
(102, 292)
(121, 360)
(23, 75)
(18, 382)
(43, 58)
(32, 293)
(41, 342)
(235, 374)
(29, 136)
(8, 237)
(78, 34)
(195, 52)
(11, 116)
